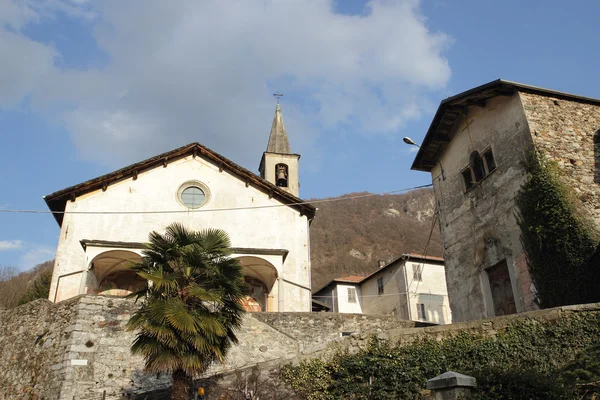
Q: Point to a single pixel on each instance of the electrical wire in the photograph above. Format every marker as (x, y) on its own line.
(425, 250)
(214, 209)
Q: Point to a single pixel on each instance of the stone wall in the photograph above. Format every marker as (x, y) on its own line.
(264, 378)
(568, 132)
(485, 327)
(33, 341)
(80, 347)
(478, 226)
(314, 331)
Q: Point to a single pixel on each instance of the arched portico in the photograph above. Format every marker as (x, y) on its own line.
(261, 277)
(111, 273)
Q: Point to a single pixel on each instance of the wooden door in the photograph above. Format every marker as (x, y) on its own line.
(502, 293)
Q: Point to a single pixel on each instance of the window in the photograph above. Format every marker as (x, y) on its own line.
(418, 272)
(192, 197)
(380, 285)
(351, 295)
(193, 194)
(468, 178)
(479, 167)
(281, 175)
(476, 164)
(488, 157)
(422, 314)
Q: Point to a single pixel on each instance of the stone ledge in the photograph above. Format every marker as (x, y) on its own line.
(449, 380)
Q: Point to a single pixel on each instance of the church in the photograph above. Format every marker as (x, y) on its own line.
(105, 221)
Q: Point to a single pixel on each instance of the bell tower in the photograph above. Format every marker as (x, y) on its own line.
(278, 164)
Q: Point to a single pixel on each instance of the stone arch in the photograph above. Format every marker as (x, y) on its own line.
(261, 277)
(112, 274)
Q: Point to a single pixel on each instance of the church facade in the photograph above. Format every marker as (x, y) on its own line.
(105, 221)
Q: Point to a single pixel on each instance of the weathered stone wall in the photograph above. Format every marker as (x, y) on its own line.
(264, 378)
(33, 341)
(485, 327)
(313, 331)
(80, 347)
(478, 226)
(568, 132)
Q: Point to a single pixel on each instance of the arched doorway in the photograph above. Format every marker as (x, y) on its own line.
(113, 275)
(260, 275)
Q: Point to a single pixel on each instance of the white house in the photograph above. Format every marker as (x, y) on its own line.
(412, 287)
(341, 295)
(104, 221)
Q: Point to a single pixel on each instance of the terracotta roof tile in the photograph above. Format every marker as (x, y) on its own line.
(350, 278)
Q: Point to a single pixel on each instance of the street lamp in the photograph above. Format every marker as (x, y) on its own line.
(411, 142)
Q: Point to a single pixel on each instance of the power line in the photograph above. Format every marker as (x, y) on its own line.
(214, 209)
(422, 266)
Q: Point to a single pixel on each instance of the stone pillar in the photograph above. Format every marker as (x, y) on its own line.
(451, 386)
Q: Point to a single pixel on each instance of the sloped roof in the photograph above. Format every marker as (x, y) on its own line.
(350, 279)
(57, 200)
(450, 110)
(408, 256)
(278, 139)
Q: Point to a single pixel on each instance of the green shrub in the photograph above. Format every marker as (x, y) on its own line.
(583, 373)
(522, 361)
(38, 288)
(557, 240)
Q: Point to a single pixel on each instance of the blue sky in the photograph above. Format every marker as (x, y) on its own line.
(86, 88)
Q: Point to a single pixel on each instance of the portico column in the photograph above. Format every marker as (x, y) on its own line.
(280, 294)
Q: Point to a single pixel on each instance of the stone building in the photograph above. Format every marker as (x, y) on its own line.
(475, 150)
(412, 287)
(104, 221)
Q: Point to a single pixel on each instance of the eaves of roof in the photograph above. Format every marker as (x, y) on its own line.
(453, 108)
(57, 201)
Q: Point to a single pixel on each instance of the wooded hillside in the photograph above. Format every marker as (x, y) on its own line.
(350, 236)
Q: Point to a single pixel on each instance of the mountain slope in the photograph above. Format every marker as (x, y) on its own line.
(350, 236)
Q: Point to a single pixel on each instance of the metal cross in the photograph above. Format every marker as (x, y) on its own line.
(278, 95)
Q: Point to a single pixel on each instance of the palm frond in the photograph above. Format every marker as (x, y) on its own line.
(179, 317)
(190, 312)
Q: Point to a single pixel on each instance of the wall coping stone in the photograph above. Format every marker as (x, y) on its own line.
(449, 380)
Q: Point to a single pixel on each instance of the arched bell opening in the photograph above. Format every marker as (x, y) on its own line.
(281, 175)
(260, 275)
(112, 274)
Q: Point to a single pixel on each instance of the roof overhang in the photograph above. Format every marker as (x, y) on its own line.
(57, 201)
(85, 243)
(453, 109)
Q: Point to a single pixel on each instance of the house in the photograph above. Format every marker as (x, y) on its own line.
(412, 287)
(475, 150)
(341, 295)
(105, 221)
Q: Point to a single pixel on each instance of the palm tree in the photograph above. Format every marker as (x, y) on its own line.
(192, 305)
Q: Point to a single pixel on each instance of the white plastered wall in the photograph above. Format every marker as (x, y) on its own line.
(430, 291)
(343, 303)
(156, 190)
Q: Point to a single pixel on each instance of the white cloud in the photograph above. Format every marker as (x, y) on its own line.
(204, 71)
(6, 245)
(36, 254)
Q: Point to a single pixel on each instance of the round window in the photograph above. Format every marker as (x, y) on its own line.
(192, 197)
(193, 194)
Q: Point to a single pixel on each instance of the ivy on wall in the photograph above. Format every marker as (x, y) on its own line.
(522, 361)
(557, 239)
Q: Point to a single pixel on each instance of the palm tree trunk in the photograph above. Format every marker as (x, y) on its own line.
(181, 386)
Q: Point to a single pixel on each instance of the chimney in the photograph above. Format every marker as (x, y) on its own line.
(381, 263)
